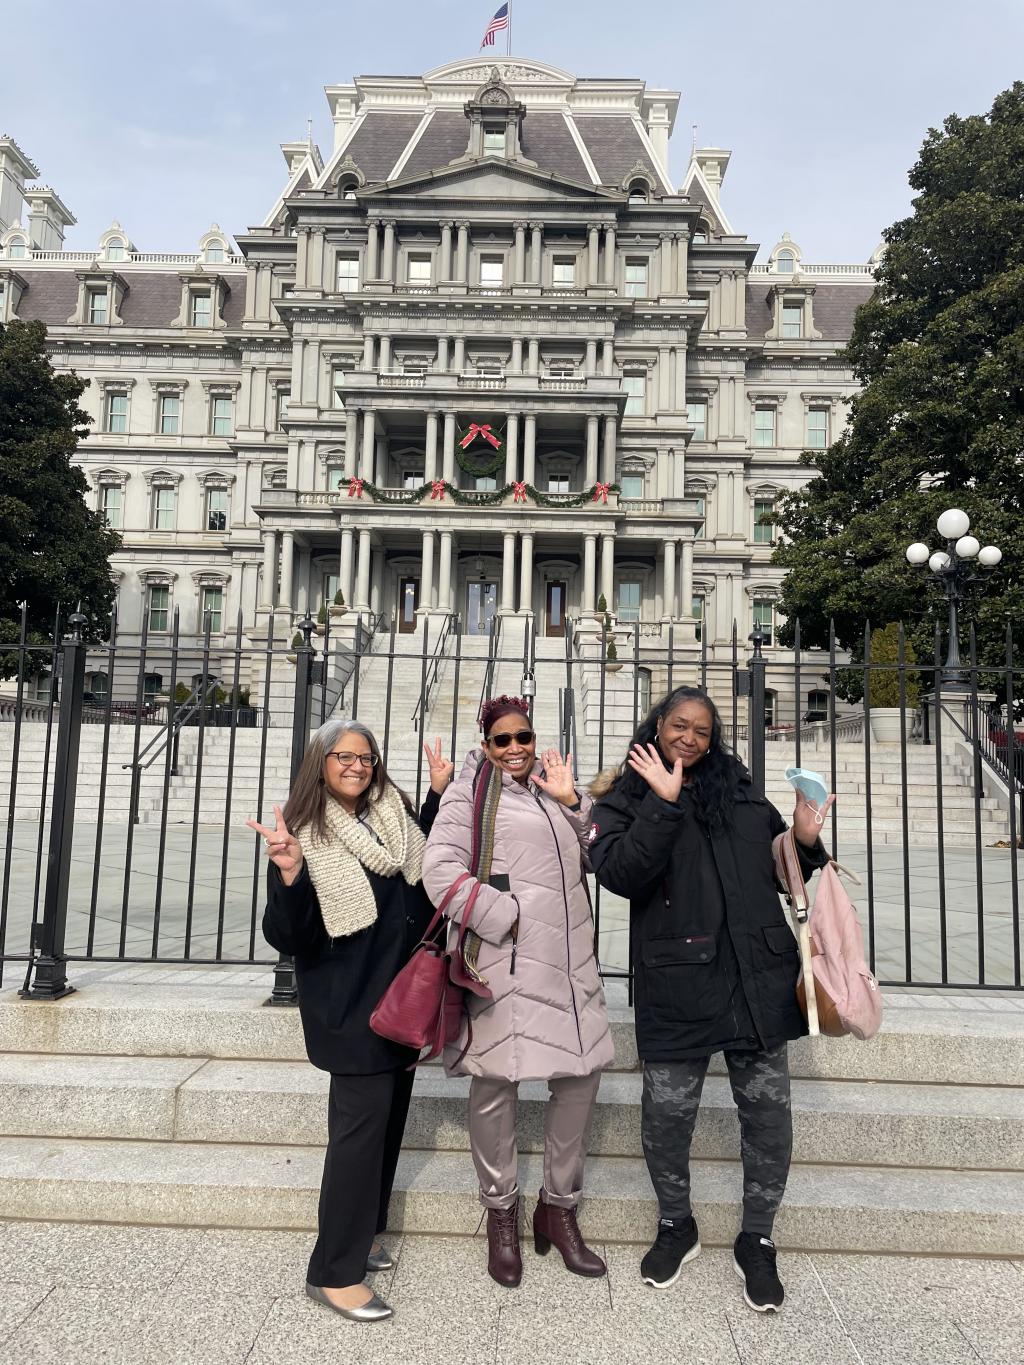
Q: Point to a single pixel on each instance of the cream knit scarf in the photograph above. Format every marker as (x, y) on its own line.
(336, 862)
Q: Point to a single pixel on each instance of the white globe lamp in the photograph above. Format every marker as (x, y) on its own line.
(917, 554)
(953, 524)
(967, 547)
(938, 561)
(990, 555)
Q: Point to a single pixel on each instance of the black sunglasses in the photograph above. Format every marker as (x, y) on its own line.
(503, 741)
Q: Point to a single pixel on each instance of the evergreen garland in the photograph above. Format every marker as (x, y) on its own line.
(409, 497)
(490, 464)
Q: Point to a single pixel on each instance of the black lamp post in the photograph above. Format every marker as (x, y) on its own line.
(953, 570)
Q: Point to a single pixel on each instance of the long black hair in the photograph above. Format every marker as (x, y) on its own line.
(713, 781)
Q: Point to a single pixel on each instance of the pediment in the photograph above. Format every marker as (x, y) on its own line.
(492, 178)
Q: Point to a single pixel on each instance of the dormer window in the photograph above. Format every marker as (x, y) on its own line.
(638, 192)
(494, 141)
(115, 249)
(200, 310)
(98, 312)
(785, 262)
(17, 249)
(215, 253)
(792, 320)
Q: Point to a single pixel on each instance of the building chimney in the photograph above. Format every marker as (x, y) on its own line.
(47, 219)
(713, 162)
(15, 169)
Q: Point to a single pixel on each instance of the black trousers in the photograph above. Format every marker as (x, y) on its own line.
(365, 1122)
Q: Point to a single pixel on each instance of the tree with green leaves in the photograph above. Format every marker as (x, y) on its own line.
(53, 549)
(939, 422)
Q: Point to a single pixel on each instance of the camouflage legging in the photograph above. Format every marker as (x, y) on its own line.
(760, 1087)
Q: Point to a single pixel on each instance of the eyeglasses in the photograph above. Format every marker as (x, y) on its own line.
(345, 759)
(503, 741)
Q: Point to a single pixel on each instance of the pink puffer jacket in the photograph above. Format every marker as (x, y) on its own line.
(547, 1017)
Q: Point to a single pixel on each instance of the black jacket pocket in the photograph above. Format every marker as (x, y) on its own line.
(780, 939)
(681, 978)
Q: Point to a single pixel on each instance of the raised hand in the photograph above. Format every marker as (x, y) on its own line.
(557, 780)
(283, 849)
(808, 819)
(442, 769)
(648, 763)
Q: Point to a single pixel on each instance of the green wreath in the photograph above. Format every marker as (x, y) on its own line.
(492, 461)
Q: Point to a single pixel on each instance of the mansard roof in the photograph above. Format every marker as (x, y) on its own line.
(834, 306)
(616, 144)
(381, 139)
(152, 299)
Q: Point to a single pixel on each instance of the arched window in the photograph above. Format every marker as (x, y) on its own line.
(784, 262)
(115, 249)
(347, 188)
(638, 193)
(701, 235)
(17, 248)
(215, 252)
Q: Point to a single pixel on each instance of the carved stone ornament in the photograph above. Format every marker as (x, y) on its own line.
(508, 71)
(640, 171)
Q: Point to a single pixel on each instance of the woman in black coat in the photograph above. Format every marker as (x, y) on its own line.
(345, 899)
(682, 833)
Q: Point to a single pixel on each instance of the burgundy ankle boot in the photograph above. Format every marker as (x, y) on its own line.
(553, 1226)
(504, 1262)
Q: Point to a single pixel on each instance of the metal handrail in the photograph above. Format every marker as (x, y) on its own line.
(433, 672)
(987, 750)
(192, 704)
(492, 654)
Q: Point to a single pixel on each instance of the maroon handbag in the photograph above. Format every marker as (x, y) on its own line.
(422, 1008)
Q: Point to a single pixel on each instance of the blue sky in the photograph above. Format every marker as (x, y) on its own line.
(168, 115)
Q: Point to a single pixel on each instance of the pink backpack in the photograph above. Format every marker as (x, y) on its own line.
(836, 991)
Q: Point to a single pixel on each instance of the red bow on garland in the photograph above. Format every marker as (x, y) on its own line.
(437, 491)
(355, 488)
(601, 492)
(475, 430)
(519, 492)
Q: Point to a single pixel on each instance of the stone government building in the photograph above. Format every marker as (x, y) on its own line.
(498, 245)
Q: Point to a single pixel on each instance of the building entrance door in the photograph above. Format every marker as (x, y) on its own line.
(408, 601)
(556, 596)
(481, 606)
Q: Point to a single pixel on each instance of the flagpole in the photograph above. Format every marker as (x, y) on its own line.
(508, 44)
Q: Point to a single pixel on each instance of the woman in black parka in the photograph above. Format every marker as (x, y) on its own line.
(345, 899)
(682, 833)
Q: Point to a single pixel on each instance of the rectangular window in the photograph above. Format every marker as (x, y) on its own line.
(159, 606)
(631, 486)
(212, 607)
(3, 300)
(418, 271)
(283, 396)
(697, 417)
(338, 387)
(201, 310)
(636, 279)
(697, 612)
(412, 478)
(817, 428)
(494, 142)
(163, 507)
(558, 483)
(764, 616)
(414, 367)
(563, 270)
(792, 320)
(490, 369)
(486, 483)
(701, 512)
(764, 428)
(492, 272)
(348, 274)
(98, 306)
(220, 416)
(117, 412)
(635, 386)
(629, 601)
(216, 509)
(335, 474)
(112, 505)
(170, 414)
(764, 523)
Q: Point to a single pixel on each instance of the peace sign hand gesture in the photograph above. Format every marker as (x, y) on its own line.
(647, 762)
(558, 781)
(442, 770)
(283, 849)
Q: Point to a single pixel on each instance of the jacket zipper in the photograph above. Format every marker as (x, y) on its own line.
(515, 936)
(565, 902)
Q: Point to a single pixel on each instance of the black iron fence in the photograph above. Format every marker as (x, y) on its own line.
(125, 837)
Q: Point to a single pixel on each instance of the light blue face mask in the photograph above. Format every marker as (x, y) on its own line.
(809, 784)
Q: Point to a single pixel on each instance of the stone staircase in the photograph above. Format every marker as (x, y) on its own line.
(170, 1098)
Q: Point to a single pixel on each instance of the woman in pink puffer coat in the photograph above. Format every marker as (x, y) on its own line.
(520, 824)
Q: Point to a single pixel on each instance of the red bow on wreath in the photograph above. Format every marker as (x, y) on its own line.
(601, 492)
(437, 490)
(475, 430)
(355, 488)
(519, 492)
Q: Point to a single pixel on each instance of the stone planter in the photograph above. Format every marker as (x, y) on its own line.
(612, 665)
(885, 724)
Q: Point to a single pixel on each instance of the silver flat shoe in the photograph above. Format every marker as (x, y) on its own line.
(379, 1260)
(375, 1310)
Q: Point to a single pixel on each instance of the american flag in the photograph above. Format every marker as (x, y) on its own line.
(499, 22)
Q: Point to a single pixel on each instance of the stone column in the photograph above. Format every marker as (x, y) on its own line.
(385, 352)
(269, 583)
(530, 448)
(738, 610)
(590, 469)
(380, 462)
(301, 258)
(351, 442)
(608, 568)
(589, 571)
(302, 597)
(590, 367)
(369, 440)
(593, 251)
(665, 271)
(462, 254)
(609, 255)
(287, 568)
(608, 358)
(430, 449)
(427, 573)
(533, 356)
(526, 571)
(376, 579)
(442, 354)
(362, 602)
(686, 586)
(369, 349)
(680, 281)
(512, 448)
(669, 580)
(345, 564)
(536, 240)
(664, 387)
(739, 508)
(519, 270)
(372, 249)
(608, 472)
(508, 573)
(680, 385)
(444, 573)
(459, 361)
(448, 454)
(387, 270)
(445, 263)
(316, 265)
(517, 355)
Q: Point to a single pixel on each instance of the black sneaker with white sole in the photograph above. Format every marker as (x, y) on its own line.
(754, 1258)
(676, 1243)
